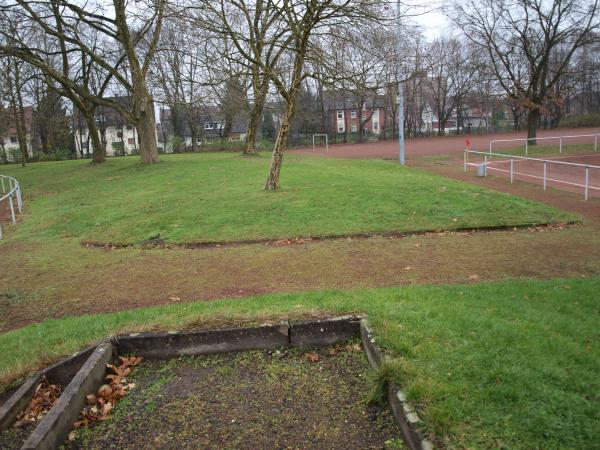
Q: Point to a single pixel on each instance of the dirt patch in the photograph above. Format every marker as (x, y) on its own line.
(157, 243)
(15, 437)
(248, 400)
(39, 284)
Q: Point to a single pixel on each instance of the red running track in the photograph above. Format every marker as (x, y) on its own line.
(442, 145)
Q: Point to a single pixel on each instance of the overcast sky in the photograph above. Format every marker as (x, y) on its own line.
(434, 23)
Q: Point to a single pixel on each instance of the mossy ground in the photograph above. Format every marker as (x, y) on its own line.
(249, 400)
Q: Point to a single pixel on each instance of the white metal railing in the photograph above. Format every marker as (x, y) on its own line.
(560, 139)
(511, 158)
(11, 193)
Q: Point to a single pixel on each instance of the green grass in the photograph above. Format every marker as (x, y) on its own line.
(220, 197)
(510, 364)
(548, 148)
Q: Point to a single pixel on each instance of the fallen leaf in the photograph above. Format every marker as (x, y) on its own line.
(474, 277)
(312, 357)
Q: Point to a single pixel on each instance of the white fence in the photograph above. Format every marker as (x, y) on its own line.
(560, 139)
(11, 194)
(510, 159)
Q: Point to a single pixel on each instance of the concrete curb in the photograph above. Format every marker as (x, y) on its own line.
(59, 373)
(324, 332)
(406, 416)
(177, 343)
(18, 401)
(55, 426)
(90, 367)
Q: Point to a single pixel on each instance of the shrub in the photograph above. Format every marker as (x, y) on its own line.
(584, 120)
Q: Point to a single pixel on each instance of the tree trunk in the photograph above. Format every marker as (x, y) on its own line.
(146, 126)
(278, 149)
(98, 155)
(533, 117)
(260, 95)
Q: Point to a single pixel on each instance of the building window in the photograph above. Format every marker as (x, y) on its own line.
(208, 126)
(340, 129)
(354, 128)
(353, 114)
(340, 115)
(130, 127)
(375, 126)
(13, 139)
(130, 141)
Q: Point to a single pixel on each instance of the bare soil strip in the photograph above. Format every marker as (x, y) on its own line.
(157, 243)
(283, 399)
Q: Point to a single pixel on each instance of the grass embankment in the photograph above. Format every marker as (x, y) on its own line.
(495, 365)
(220, 197)
(548, 149)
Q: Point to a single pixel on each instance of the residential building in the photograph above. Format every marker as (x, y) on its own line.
(119, 136)
(9, 141)
(204, 124)
(346, 112)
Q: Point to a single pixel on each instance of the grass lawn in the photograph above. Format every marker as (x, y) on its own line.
(510, 364)
(220, 197)
(548, 148)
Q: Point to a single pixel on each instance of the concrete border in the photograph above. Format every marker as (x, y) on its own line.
(324, 332)
(53, 429)
(177, 343)
(90, 365)
(18, 401)
(59, 373)
(406, 416)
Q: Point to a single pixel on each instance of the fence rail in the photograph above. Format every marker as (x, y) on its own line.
(545, 162)
(560, 139)
(10, 193)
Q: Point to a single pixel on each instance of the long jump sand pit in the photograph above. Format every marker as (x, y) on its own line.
(291, 398)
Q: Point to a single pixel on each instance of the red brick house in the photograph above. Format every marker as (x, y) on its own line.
(349, 113)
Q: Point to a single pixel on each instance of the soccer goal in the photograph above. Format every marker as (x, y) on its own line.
(321, 138)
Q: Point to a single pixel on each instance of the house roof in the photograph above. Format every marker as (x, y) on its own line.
(7, 117)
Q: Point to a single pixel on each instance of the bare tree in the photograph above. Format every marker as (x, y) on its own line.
(15, 74)
(255, 36)
(126, 33)
(521, 36)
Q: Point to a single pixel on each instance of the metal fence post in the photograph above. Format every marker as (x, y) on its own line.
(2, 179)
(511, 170)
(12, 210)
(16, 194)
(465, 159)
(560, 146)
(595, 143)
(526, 145)
(485, 165)
(19, 197)
(545, 173)
(587, 183)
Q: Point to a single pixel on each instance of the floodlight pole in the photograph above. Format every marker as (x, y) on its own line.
(400, 94)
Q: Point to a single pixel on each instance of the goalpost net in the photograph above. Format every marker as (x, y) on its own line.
(320, 139)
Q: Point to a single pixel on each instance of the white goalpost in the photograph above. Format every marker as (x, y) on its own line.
(326, 141)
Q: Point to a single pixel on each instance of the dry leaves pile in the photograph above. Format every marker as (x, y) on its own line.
(100, 404)
(45, 396)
